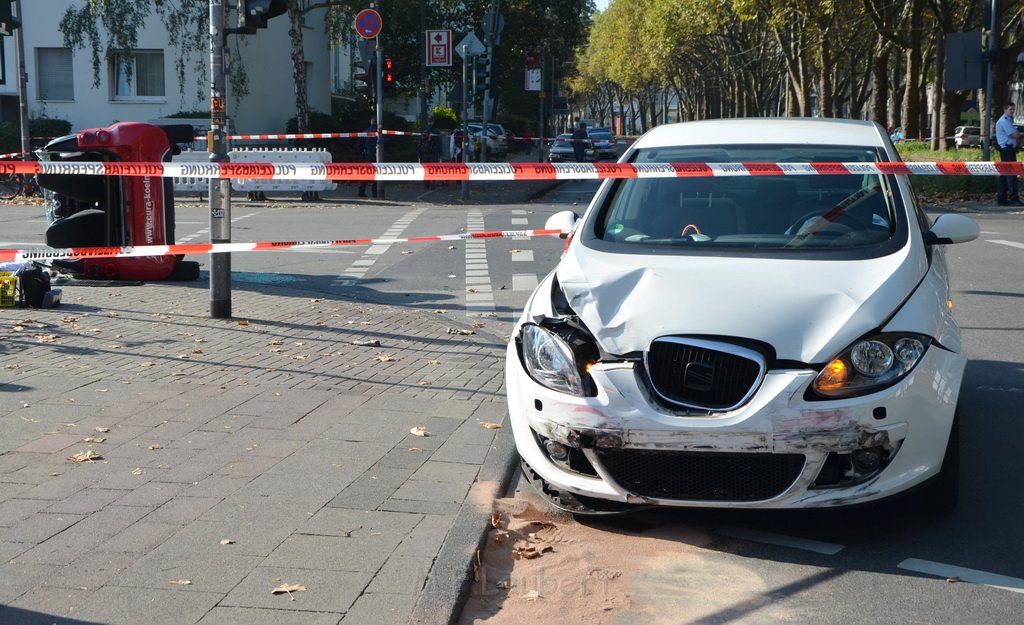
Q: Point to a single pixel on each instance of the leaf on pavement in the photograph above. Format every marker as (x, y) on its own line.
(154, 446)
(419, 430)
(496, 520)
(490, 426)
(181, 582)
(85, 456)
(383, 357)
(93, 439)
(288, 589)
(102, 429)
(227, 541)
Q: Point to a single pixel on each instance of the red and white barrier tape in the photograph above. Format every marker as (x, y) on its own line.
(350, 135)
(500, 171)
(261, 246)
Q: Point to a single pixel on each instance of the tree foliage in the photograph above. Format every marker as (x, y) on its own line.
(872, 59)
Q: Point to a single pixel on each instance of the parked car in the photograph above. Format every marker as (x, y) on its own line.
(604, 143)
(497, 146)
(744, 341)
(967, 136)
(561, 150)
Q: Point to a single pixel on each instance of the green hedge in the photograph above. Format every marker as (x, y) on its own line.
(962, 186)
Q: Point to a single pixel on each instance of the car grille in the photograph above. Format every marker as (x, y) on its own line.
(703, 374)
(702, 476)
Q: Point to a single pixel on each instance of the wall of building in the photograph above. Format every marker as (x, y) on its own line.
(266, 57)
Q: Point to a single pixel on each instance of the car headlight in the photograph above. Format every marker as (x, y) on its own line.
(551, 359)
(870, 365)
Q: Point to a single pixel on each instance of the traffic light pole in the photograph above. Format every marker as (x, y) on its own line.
(220, 190)
(19, 49)
(465, 112)
(380, 105)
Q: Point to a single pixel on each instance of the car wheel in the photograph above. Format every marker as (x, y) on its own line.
(943, 493)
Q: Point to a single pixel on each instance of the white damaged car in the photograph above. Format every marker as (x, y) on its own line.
(768, 341)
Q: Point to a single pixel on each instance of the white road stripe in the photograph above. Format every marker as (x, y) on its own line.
(481, 299)
(829, 549)
(523, 255)
(520, 221)
(524, 281)
(1008, 243)
(973, 576)
(359, 267)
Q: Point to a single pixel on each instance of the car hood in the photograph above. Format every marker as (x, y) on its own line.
(808, 310)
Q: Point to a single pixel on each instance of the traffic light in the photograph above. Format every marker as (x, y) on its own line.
(388, 80)
(481, 74)
(253, 14)
(533, 59)
(362, 79)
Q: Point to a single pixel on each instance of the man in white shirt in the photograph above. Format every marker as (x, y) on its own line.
(1007, 140)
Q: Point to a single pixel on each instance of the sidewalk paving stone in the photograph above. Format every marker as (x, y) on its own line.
(277, 433)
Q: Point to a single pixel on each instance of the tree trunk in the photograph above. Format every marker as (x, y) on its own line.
(878, 109)
(298, 67)
(825, 61)
(912, 89)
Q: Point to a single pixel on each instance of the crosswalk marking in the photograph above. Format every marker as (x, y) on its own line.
(524, 281)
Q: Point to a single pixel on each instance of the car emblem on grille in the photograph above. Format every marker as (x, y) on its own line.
(699, 376)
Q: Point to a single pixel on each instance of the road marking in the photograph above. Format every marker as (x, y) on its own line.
(1009, 243)
(973, 576)
(479, 297)
(757, 536)
(357, 270)
(524, 281)
(206, 230)
(520, 221)
(523, 255)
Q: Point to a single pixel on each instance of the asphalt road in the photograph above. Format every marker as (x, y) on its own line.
(886, 563)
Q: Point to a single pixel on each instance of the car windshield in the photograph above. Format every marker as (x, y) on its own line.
(601, 136)
(747, 212)
(563, 141)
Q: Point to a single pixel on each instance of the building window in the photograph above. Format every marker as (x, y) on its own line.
(138, 76)
(56, 78)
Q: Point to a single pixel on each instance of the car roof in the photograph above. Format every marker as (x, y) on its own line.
(815, 131)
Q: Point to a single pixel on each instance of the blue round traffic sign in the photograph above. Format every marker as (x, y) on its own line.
(368, 23)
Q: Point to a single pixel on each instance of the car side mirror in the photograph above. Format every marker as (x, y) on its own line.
(562, 220)
(952, 228)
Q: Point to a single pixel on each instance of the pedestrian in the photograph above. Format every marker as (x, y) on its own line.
(1007, 138)
(579, 142)
(455, 146)
(367, 147)
(429, 149)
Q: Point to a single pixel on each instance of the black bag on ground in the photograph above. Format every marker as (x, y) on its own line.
(35, 284)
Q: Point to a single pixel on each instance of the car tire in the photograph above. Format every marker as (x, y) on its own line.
(942, 494)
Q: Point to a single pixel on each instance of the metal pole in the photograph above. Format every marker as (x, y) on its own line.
(423, 64)
(986, 144)
(465, 112)
(380, 106)
(220, 190)
(19, 43)
(380, 113)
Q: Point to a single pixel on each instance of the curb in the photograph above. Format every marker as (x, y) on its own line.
(451, 575)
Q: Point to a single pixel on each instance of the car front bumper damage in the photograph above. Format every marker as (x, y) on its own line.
(909, 423)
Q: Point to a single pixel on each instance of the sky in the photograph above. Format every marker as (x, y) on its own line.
(601, 4)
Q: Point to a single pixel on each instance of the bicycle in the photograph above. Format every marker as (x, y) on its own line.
(13, 185)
